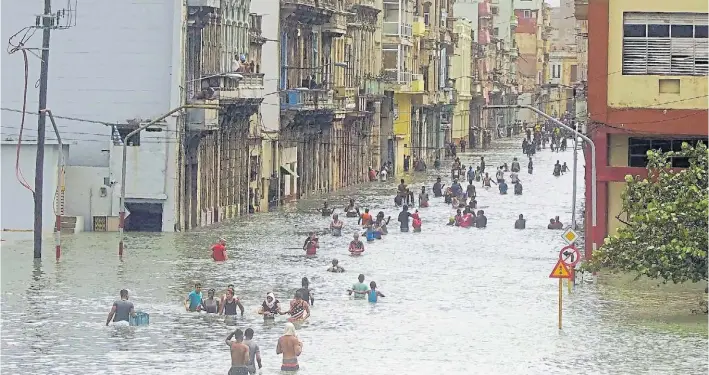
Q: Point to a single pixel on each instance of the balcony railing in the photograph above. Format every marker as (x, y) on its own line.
(306, 99)
(250, 87)
(397, 76)
(397, 29)
(337, 24)
(299, 2)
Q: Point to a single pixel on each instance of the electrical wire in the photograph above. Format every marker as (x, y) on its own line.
(20, 47)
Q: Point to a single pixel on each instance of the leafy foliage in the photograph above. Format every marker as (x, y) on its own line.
(665, 235)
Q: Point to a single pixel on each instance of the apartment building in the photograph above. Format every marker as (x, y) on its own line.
(646, 90)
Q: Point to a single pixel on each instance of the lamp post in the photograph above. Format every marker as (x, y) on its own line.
(122, 214)
(594, 213)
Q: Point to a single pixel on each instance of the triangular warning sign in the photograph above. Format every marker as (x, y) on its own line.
(560, 271)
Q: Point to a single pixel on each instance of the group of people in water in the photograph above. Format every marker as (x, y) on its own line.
(245, 354)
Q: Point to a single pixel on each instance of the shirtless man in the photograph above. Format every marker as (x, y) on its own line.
(239, 353)
(290, 347)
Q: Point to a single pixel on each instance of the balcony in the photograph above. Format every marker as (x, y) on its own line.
(364, 3)
(416, 84)
(345, 104)
(203, 3)
(250, 88)
(484, 10)
(345, 92)
(419, 27)
(484, 37)
(337, 25)
(514, 53)
(311, 12)
(402, 30)
(200, 119)
(444, 96)
(581, 10)
(371, 88)
(302, 99)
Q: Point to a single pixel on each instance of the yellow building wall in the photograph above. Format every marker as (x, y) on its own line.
(402, 128)
(643, 91)
(461, 72)
(402, 123)
(461, 121)
(615, 204)
(526, 43)
(618, 150)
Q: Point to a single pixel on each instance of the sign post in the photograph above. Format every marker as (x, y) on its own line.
(571, 256)
(560, 272)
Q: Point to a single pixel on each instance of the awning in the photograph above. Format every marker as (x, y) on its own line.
(288, 171)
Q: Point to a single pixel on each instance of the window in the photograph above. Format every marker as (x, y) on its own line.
(638, 148)
(574, 73)
(495, 10)
(527, 14)
(665, 44)
(496, 31)
(556, 71)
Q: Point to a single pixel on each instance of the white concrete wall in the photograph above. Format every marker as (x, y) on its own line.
(270, 61)
(115, 64)
(17, 205)
(122, 60)
(289, 158)
(83, 194)
(525, 114)
(146, 166)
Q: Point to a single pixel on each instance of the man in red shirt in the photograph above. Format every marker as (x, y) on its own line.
(219, 251)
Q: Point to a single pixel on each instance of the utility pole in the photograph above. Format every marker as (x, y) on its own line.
(47, 22)
(574, 122)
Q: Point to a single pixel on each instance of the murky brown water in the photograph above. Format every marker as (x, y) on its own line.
(459, 301)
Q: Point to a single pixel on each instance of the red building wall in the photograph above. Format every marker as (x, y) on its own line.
(605, 120)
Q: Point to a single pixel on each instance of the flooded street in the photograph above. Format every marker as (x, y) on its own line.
(458, 301)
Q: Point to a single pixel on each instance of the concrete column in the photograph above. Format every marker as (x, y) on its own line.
(375, 142)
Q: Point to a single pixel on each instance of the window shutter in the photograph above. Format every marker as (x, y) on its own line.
(658, 56)
(682, 58)
(634, 56)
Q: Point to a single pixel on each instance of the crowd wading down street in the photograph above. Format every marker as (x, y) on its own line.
(381, 271)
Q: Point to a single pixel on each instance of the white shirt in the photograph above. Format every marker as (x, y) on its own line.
(383, 174)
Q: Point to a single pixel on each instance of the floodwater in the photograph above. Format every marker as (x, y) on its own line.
(458, 301)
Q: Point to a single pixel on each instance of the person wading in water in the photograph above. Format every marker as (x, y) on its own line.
(239, 353)
(305, 291)
(299, 309)
(230, 304)
(122, 309)
(270, 307)
(290, 347)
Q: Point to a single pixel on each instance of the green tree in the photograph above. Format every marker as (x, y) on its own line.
(665, 232)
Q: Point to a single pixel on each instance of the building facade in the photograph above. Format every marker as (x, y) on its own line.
(139, 76)
(532, 35)
(559, 83)
(647, 86)
(220, 167)
(461, 71)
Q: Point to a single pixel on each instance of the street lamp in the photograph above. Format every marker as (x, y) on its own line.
(122, 214)
(594, 212)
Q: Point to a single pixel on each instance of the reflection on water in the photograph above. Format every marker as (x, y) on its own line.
(459, 301)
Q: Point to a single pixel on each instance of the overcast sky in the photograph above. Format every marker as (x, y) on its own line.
(554, 3)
